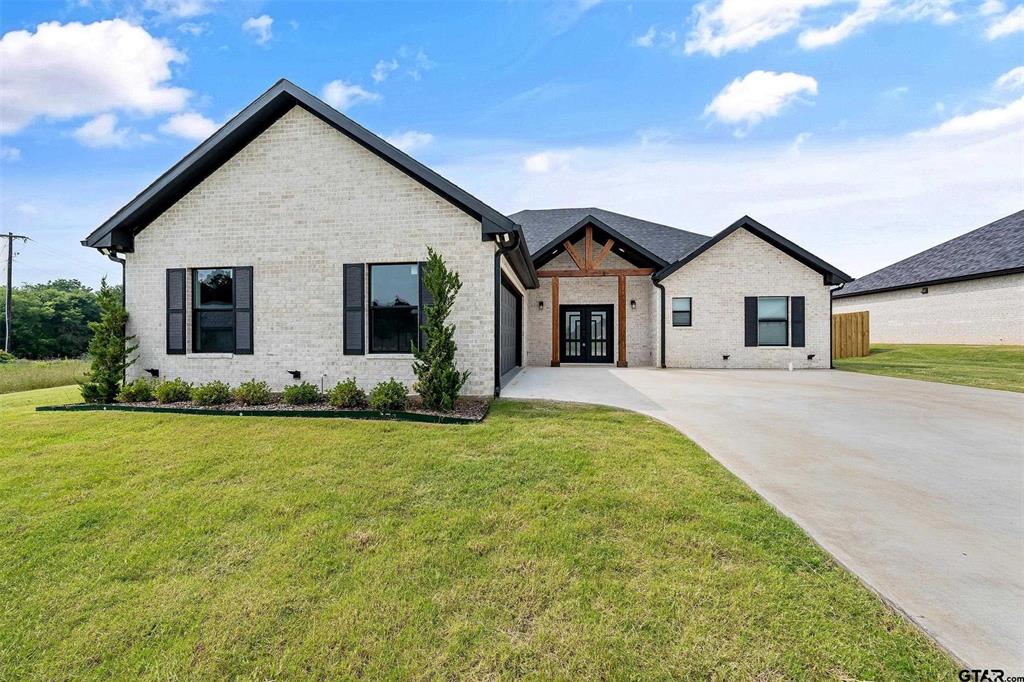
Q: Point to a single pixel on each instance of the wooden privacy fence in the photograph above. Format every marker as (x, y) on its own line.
(851, 335)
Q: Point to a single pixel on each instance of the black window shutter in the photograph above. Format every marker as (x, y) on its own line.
(176, 311)
(354, 278)
(243, 311)
(426, 298)
(796, 304)
(750, 321)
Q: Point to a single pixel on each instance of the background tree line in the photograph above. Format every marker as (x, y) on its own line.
(51, 320)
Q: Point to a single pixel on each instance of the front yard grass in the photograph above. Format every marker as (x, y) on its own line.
(549, 541)
(999, 367)
(27, 375)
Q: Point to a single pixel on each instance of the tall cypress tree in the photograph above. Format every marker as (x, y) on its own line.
(437, 380)
(109, 348)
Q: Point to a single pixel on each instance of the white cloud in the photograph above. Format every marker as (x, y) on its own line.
(10, 153)
(897, 92)
(342, 95)
(190, 125)
(420, 61)
(757, 96)
(26, 209)
(193, 29)
(67, 70)
(179, 9)
(1011, 80)
(984, 121)
(867, 12)
(860, 204)
(990, 7)
(259, 28)
(647, 39)
(722, 26)
(410, 140)
(102, 131)
(729, 25)
(1010, 23)
(382, 69)
(545, 162)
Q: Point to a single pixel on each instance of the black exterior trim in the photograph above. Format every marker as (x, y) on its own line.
(353, 314)
(750, 321)
(661, 287)
(539, 256)
(930, 282)
(831, 274)
(688, 298)
(178, 307)
(797, 321)
(118, 232)
(368, 297)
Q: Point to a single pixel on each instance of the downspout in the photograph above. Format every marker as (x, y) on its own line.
(109, 253)
(507, 247)
(662, 288)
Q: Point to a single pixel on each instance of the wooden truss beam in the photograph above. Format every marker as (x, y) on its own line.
(611, 272)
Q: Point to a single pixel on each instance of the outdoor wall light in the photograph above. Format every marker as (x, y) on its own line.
(153, 372)
(296, 374)
(924, 290)
(540, 304)
(811, 356)
(632, 305)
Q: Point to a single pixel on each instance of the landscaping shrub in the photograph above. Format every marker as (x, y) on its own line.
(109, 348)
(139, 391)
(437, 380)
(253, 392)
(5, 357)
(301, 394)
(173, 391)
(388, 396)
(211, 393)
(347, 394)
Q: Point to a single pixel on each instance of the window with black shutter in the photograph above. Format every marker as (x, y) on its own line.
(222, 310)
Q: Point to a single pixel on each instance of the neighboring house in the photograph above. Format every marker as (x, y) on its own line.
(291, 241)
(969, 290)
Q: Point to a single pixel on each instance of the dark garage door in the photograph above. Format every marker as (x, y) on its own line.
(510, 326)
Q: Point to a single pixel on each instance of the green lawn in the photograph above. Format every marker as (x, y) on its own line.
(26, 375)
(1000, 367)
(550, 541)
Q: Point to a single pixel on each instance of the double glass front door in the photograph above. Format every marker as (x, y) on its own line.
(586, 333)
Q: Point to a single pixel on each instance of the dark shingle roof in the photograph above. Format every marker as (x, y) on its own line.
(995, 248)
(668, 243)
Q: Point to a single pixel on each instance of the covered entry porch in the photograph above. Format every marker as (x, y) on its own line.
(595, 303)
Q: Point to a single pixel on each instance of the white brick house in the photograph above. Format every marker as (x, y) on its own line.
(288, 245)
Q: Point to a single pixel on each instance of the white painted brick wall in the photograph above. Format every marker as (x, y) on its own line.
(296, 204)
(591, 291)
(978, 311)
(718, 280)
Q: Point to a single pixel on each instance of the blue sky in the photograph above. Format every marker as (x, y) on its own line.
(865, 130)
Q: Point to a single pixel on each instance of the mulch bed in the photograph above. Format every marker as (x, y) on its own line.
(466, 410)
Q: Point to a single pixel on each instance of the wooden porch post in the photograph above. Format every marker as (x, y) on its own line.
(554, 323)
(622, 322)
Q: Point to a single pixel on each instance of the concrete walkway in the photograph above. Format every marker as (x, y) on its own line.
(916, 487)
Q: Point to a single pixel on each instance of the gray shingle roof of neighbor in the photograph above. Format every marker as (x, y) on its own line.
(540, 227)
(996, 248)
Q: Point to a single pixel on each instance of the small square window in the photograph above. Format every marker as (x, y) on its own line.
(682, 315)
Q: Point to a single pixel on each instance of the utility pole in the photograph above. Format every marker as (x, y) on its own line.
(8, 317)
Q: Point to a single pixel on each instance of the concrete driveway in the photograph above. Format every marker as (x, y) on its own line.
(916, 487)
